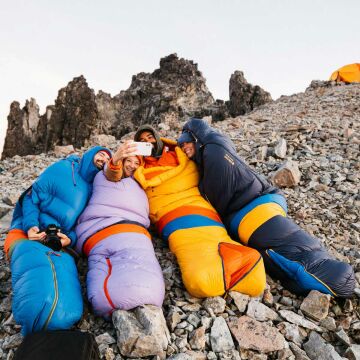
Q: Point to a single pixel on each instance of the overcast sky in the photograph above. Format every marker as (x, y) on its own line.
(279, 45)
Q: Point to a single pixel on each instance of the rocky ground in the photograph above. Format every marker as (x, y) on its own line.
(317, 133)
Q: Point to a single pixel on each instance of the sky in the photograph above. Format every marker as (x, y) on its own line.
(280, 45)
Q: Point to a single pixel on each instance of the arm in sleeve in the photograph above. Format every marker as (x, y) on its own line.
(72, 236)
(31, 211)
(219, 176)
(113, 172)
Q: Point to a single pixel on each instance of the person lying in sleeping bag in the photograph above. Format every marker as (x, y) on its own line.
(44, 277)
(210, 262)
(254, 212)
(123, 271)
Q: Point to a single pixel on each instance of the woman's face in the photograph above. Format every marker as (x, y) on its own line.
(130, 164)
(189, 149)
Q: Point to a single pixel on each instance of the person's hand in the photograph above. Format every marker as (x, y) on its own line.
(34, 234)
(65, 241)
(125, 150)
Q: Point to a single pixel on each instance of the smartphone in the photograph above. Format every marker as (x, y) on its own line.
(143, 148)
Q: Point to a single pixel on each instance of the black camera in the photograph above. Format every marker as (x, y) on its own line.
(52, 239)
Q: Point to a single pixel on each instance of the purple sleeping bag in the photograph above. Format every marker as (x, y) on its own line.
(123, 270)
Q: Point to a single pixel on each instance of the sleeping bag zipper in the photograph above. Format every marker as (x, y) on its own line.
(56, 297)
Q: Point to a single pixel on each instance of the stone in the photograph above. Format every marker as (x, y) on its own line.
(343, 337)
(353, 352)
(288, 175)
(298, 320)
(220, 336)
(298, 352)
(260, 312)
(108, 141)
(197, 339)
(254, 335)
(142, 332)
(316, 305)
(328, 323)
(317, 348)
(105, 338)
(5, 209)
(12, 341)
(193, 320)
(281, 148)
(240, 300)
(181, 356)
(63, 151)
(292, 333)
(214, 304)
(174, 318)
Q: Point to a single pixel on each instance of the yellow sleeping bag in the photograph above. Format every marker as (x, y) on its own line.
(210, 262)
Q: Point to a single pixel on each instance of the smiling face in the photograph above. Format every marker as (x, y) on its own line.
(101, 158)
(189, 149)
(130, 164)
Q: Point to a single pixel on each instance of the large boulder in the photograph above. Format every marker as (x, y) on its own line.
(21, 135)
(245, 97)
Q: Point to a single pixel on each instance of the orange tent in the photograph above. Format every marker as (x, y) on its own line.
(348, 73)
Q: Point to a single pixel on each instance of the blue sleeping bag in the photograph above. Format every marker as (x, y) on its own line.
(46, 288)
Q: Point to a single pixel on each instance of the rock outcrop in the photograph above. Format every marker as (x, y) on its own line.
(170, 94)
(245, 97)
(22, 132)
(167, 96)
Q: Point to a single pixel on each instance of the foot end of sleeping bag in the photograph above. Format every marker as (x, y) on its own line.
(243, 269)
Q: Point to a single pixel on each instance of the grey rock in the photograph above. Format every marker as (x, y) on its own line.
(328, 323)
(105, 338)
(288, 175)
(12, 341)
(260, 312)
(353, 352)
(220, 336)
(281, 148)
(63, 151)
(317, 349)
(316, 305)
(343, 337)
(255, 335)
(214, 304)
(197, 339)
(298, 352)
(142, 332)
(181, 356)
(298, 320)
(240, 300)
(292, 333)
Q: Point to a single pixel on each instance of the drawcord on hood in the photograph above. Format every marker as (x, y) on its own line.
(73, 173)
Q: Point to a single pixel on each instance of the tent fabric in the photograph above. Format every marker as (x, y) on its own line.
(46, 288)
(348, 73)
(193, 227)
(112, 232)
